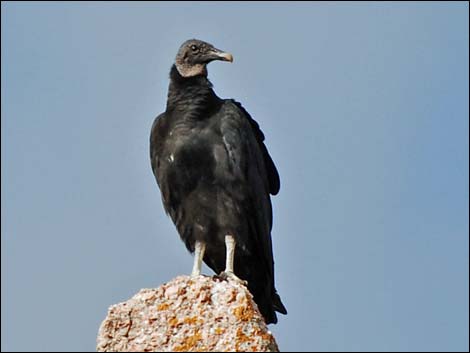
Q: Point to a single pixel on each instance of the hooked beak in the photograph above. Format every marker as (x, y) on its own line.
(225, 57)
(217, 54)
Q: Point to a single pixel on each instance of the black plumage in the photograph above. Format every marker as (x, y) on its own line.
(216, 176)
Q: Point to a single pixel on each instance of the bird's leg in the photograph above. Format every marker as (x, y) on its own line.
(230, 253)
(199, 249)
(229, 258)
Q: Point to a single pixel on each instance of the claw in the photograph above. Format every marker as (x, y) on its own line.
(229, 275)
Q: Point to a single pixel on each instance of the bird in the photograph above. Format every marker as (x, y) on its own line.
(216, 177)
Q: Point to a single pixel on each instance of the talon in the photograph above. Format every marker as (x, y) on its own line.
(226, 275)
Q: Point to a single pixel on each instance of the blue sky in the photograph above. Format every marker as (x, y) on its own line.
(365, 111)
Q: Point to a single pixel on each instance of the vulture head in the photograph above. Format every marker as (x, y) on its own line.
(194, 55)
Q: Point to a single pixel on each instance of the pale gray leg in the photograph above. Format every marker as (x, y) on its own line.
(199, 249)
(229, 258)
(230, 253)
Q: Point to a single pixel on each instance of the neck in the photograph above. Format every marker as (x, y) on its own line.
(186, 70)
(189, 93)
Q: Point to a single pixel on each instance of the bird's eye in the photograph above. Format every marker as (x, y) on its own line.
(193, 47)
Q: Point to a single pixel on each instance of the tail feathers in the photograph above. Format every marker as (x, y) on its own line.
(269, 307)
(277, 304)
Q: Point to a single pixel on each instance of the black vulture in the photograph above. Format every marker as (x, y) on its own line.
(216, 176)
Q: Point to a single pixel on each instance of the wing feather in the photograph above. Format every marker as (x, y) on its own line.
(250, 164)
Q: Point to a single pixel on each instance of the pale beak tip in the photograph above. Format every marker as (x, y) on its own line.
(226, 57)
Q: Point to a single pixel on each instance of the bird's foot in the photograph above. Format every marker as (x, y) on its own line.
(229, 275)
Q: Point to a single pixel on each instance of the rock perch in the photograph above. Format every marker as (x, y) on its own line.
(187, 314)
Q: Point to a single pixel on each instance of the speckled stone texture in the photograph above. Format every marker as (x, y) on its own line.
(187, 314)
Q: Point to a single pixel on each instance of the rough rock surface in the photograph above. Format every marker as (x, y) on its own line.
(187, 314)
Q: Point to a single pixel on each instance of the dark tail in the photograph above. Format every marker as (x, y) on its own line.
(277, 304)
(268, 305)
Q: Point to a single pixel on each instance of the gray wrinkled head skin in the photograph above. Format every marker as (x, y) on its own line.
(194, 55)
